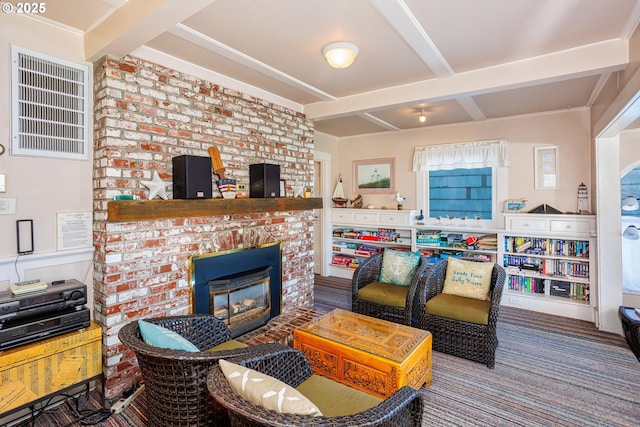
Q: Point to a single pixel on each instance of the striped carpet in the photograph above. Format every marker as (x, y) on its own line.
(550, 371)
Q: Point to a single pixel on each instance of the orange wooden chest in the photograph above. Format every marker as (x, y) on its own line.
(372, 355)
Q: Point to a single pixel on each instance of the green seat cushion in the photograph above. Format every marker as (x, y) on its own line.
(459, 308)
(228, 345)
(384, 294)
(335, 399)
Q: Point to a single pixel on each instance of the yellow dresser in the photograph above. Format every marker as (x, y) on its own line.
(33, 371)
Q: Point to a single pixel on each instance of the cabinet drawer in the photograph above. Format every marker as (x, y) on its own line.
(340, 217)
(395, 218)
(365, 218)
(570, 226)
(527, 224)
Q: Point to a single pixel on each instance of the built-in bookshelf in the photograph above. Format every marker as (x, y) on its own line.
(360, 233)
(549, 260)
(439, 242)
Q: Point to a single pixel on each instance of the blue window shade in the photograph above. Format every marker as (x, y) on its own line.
(461, 193)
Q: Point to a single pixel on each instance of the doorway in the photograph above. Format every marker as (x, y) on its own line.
(321, 168)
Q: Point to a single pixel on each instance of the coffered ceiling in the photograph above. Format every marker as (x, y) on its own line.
(457, 60)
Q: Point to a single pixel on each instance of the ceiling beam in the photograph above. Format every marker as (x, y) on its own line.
(398, 15)
(583, 61)
(136, 23)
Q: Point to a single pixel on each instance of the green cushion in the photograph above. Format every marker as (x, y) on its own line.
(459, 308)
(335, 399)
(384, 294)
(398, 267)
(228, 345)
(160, 337)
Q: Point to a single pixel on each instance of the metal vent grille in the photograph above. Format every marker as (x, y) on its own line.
(49, 106)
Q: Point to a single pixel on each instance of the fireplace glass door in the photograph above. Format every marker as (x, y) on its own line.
(241, 299)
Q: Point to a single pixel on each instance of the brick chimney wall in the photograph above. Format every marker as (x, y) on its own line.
(144, 115)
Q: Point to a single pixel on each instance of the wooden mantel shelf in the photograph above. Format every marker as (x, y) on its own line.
(142, 210)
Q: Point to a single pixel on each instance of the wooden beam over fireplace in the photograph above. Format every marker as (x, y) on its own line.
(141, 210)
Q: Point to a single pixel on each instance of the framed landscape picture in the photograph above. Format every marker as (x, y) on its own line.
(374, 176)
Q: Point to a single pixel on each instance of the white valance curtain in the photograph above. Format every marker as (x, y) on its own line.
(468, 155)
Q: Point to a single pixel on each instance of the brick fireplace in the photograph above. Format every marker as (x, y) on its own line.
(144, 115)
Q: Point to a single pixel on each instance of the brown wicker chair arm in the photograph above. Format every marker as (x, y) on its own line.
(204, 333)
(279, 361)
(367, 272)
(413, 296)
(497, 280)
(435, 281)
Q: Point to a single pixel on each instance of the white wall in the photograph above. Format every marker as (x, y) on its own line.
(41, 186)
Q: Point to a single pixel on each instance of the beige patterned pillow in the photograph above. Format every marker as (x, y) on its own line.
(469, 279)
(268, 392)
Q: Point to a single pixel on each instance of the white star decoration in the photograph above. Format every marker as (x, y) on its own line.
(156, 186)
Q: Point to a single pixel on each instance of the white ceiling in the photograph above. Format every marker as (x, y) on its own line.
(458, 60)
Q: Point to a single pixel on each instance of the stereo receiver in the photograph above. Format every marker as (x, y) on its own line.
(44, 326)
(60, 295)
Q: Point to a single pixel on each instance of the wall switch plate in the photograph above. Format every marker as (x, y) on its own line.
(8, 206)
(3, 183)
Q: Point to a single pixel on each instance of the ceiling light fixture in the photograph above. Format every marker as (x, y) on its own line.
(631, 233)
(340, 54)
(422, 117)
(630, 204)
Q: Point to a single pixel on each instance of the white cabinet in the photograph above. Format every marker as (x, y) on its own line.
(550, 264)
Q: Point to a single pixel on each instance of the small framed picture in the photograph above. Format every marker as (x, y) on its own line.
(547, 168)
(283, 188)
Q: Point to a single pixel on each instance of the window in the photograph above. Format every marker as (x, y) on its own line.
(49, 107)
(461, 193)
(462, 180)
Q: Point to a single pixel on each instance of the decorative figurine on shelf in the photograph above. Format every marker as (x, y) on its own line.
(420, 218)
(298, 189)
(400, 200)
(583, 199)
(338, 195)
(357, 202)
(156, 186)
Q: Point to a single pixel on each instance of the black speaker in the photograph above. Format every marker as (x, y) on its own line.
(192, 177)
(264, 180)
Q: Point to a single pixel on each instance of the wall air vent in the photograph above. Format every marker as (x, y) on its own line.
(49, 106)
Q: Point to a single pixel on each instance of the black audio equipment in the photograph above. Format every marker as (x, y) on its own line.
(59, 295)
(264, 180)
(44, 326)
(192, 177)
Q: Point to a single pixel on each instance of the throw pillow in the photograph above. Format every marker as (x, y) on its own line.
(398, 267)
(158, 336)
(265, 391)
(469, 279)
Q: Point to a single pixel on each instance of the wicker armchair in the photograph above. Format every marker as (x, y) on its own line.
(175, 381)
(403, 408)
(477, 342)
(630, 320)
(367, 273)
